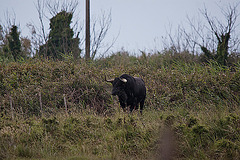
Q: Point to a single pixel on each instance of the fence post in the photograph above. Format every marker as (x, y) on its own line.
(11, 106)
(65, 103)
(40, 102)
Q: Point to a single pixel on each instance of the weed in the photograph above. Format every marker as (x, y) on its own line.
(64, 110)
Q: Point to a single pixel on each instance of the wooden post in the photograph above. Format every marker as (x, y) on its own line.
(87, 41)
(65, 103)
(11, 106)
(4, 109)
(40, 102)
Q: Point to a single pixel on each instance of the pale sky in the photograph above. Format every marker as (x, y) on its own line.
(141, 24)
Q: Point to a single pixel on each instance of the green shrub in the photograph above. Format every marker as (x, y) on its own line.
(199, 103)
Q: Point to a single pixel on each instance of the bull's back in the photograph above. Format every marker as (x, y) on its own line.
(140, 89)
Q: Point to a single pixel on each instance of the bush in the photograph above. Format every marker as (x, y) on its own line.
(37, 82)
(197, 104)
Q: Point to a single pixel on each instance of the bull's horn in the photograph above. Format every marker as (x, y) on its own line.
(123, 80)
(110, 80)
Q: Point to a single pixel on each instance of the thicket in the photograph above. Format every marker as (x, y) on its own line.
(55, 105)
(63, 109)
(60, 39)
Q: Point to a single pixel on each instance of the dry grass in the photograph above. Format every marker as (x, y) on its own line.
(190, 105)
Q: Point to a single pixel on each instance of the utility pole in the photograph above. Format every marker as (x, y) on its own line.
(87, 41)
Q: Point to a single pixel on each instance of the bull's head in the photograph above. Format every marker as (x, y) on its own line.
(112, 80)
(118, 85)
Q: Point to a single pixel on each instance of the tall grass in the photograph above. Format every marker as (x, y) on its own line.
(64, 110)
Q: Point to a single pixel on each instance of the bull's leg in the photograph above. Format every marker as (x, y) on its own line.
(123, 101)
(123, 105)
(141, 106)
(131, 108)
(134, 106)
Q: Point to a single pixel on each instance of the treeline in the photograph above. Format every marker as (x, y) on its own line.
(215, 40)
(65, 37)
(61, 41)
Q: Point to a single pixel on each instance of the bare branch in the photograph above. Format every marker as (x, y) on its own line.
(56, 6)
(100, 28)
(40, 9)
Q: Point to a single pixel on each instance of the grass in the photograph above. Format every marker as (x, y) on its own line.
(191, 111)
(79, 135)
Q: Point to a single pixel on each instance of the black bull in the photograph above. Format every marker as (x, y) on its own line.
(130, 91)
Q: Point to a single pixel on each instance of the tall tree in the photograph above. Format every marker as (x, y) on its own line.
(217, 36)
(14, 42)
(222, 33)
(99, 28)
(60, 40)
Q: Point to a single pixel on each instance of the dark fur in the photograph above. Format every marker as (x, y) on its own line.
(129, 93)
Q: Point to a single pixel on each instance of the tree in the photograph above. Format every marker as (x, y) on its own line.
(222, 33)
(60, 39)
(14, 43)
(26, 46)
(99, 30)
(216, 45)
(213, 37)
(50, 8)
(1, 34)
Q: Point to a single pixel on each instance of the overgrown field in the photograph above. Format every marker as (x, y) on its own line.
(64, 109)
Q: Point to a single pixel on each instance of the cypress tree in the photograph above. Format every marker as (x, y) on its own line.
(61, 39)
(14, 43)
